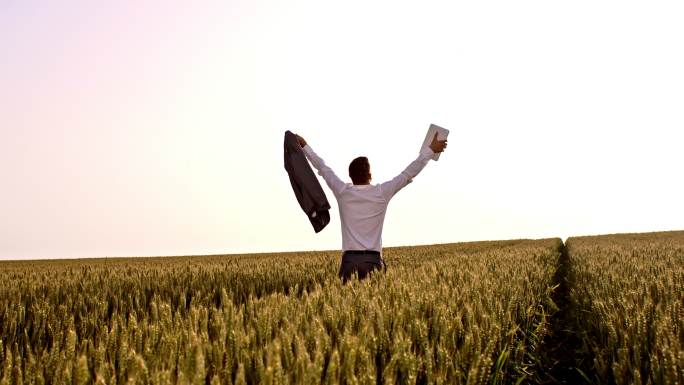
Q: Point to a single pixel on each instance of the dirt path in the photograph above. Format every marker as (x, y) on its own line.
(560, 360)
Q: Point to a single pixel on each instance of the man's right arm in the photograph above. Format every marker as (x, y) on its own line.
(400, 181)
(393, 186)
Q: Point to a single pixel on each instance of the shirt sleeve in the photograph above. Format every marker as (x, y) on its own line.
(393, 186)
(335, 183)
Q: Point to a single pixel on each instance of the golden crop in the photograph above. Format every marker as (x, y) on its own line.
(471, 313)
(628, 290)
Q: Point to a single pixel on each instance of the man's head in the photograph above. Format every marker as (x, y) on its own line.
(359, 170)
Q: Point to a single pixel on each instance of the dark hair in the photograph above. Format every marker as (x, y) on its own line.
(359, 170)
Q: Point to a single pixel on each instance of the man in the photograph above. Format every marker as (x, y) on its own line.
(363, 206)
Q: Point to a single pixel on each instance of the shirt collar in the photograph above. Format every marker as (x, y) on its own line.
(361, 186)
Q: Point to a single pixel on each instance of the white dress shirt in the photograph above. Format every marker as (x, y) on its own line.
(363, 207)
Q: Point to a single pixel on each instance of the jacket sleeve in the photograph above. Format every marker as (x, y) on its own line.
(400, 181)
(333, 181)
(298, 171)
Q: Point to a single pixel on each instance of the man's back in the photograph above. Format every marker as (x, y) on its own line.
(363, 207)
(362, 214)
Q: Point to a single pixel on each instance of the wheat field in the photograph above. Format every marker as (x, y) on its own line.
(628, 290)
(463, 313)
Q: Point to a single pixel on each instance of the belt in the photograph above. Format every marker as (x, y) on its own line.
(371, 252)
(368, 252)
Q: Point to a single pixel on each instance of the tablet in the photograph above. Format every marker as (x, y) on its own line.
(442, 134)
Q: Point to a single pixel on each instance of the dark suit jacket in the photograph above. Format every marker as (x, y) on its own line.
(306, 187)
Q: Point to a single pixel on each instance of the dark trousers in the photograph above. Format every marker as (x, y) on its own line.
(359, 262)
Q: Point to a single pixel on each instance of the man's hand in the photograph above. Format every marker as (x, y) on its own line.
(438, 146)
(301, 141)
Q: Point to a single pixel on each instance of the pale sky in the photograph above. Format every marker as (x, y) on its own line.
(136, 128)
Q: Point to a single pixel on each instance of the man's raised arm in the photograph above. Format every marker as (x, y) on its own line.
(393, 186)
(335, 183)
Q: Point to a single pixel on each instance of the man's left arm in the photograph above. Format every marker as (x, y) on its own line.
(333, 181)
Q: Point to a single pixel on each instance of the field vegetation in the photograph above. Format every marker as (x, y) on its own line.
(471, 313)
(468, 313)
(628, 293)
